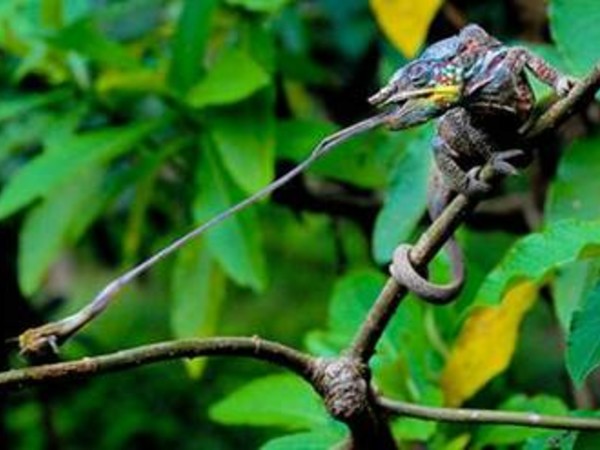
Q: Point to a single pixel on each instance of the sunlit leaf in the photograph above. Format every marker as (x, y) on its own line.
(244, 136)
(324, 439)
(234, 77)
(235, 243)
(81, 152)
(189, 42)
(130, 81)
(405, 22)
(573, 25)
(534, 256)
(198, 292)
(485, 344)
(583, 347)
(259, 5)
(276, 400)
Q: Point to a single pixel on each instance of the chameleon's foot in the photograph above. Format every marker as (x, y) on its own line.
(498, 165)
(565, 84)
(403, 271)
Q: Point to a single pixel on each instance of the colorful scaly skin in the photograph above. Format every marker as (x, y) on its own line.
(479, 90)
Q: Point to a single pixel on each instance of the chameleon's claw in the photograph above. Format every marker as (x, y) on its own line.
(476, 187)
(499, 162)
(565, 84)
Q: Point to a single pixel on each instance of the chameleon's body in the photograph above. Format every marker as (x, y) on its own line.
(476, 87)
(482, 97)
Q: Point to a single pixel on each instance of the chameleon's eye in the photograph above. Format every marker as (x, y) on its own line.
(418, 74)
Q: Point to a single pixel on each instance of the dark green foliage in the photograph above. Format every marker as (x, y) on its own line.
(123, 124)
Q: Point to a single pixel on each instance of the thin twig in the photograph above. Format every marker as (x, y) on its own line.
(254, 347)
(485, 416)
(443, 227)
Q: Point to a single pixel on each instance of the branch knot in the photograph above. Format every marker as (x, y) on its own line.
(344, 385)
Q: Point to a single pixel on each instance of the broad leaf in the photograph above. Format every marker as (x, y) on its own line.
(363, 161)
(325, 439)
(84, 38)
(198, 292)
(495, 435)
(405, 23)
(277, 400)
(79, 153)
(244, 136)
(573, 192)
(234, 77)
(259, 5)
(534, 256)
(189, 42)
(406, 198)
(235, 243)
(574, 26)
(583, 347)
(57, 222)
(485, 345)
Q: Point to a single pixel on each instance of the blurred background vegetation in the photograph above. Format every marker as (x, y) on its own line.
(125, 123)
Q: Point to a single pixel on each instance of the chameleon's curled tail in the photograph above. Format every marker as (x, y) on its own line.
(50, 335)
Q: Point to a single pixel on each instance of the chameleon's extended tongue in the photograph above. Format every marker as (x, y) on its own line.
(39, 339)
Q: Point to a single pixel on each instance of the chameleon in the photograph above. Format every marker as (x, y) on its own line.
(477, 90)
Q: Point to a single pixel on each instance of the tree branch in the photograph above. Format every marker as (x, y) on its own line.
(289, 358)
(443, 227)
(484, 416)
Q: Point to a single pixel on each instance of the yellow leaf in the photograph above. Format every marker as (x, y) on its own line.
(405, 22)
(485, 344)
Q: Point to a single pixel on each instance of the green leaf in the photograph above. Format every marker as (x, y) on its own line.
(59, 221)
(583, 345)
(277, 400)
(198, 292)
(189, 42)
(574, 26)
(406, 198)
(573, 192)
(401, 363)
(534, 256)
(364, 161)
(570, 288)
(324, 439)
(269, 6)
(84, 38)
(11, 108)
(235, 243)
(234, 77)
(409, 429)
(80, 152)
(495, 435)
(244, 136)
(52, 13)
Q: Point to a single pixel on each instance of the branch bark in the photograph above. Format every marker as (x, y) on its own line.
(254, 347)
(485, 416)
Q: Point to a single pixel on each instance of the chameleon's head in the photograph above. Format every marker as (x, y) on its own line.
(424, 88)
